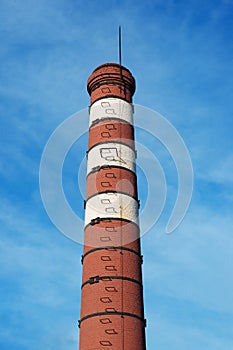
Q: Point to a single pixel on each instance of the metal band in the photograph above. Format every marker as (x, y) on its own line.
(97, 220)
(110, 82)
(112, 313)
(96, 279)
(111, 247)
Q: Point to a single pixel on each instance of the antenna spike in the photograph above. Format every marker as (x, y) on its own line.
(119, 42)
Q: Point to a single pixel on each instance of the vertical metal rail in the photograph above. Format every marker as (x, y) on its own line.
(119, 45)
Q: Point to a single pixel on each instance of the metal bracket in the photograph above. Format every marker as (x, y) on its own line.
(96, 121)
(96, 168)
(94, 279)
(95, 221)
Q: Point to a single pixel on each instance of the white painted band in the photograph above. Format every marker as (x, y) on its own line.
(111, 205)
(111, 107)
(111, 154)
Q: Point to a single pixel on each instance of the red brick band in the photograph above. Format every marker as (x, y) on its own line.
(122, 295)
(105, 332)
(114, 179)
(110, 91)
(116, 232)
(111, 130)
(118, 263)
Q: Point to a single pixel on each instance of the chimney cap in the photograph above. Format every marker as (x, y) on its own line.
(111, 73)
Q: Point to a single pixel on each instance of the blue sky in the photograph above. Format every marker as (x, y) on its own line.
(180, 53)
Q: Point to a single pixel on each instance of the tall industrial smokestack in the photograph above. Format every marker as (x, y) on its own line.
(112, 312)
